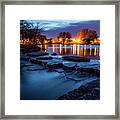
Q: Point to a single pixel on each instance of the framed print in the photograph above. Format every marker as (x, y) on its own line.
(60, 59)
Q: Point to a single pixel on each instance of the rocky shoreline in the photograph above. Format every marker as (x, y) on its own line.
(70, 68)
(89, 91)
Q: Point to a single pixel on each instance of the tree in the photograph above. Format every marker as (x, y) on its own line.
(94, 35)
(42, 38)
(90, 36)
(30, 31)
(68, 36)
(25, 29)
(65, 36)
(87, 38)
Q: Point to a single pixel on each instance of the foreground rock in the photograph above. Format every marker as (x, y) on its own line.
(24, 58)
(75, 58)
(69, 66)
(89, 91)
(36, 54)
(44, 58)
(55, 64)
(54, 54)
(28, 48)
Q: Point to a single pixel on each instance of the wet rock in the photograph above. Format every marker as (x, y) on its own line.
(88, 91)
(75, 58)
(44, 58)
(93, 66)
(57, 57)
(36, 61)
(59, 70)
(91, 71)
(35, 54)
(54, 64)
(28, 48)
(25, 65)
(69, 66)
(54, 54)
(35, 69)
(40, 62)
(77, 77)
(44, 63)
(24, 58)
(73, 78)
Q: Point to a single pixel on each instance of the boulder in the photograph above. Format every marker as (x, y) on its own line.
(24, 58)
(88, 91)
(44, 58)
(55, 64)
(69, 66)
(75, 58)
(35, 54)
(54, 54)
(36, 61)
(44, 62)
(59, 70)
(28, 48)
(91, 71)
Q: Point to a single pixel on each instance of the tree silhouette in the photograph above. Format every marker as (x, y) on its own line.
(65, 36)
(90, 36)
(30, 31)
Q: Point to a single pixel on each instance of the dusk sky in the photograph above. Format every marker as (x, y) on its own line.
(52, 28)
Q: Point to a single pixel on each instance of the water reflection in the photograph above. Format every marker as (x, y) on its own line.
(75, 49)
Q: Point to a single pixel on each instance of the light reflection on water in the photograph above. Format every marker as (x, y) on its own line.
(75, 49)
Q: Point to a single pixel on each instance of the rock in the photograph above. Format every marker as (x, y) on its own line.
(54, 64)
(28, 48)
(44, 58)
(59, 70)
(91, 71)
(35, 54)
(44, 62)
(54, 54)
(57, 57)
(76, 78)
(88, 91)
(73, 78)
(93, 66)
(40, 62)
(24, 58)
(75, 58)
(36, 61)
(69, 66)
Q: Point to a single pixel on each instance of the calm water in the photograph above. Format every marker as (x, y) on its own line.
(75, 49)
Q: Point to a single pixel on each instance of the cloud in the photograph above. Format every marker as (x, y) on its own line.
(55, 24)
(53, 27)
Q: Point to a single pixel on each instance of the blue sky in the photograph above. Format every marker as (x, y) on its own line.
(52, 28)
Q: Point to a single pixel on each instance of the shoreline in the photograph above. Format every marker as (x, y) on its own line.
(58, 73)
(88, 91)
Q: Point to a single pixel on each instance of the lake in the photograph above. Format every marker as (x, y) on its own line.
(91, 51)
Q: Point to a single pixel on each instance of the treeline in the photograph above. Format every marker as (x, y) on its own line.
(31, 33)
(87, 36)
(65, 36)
